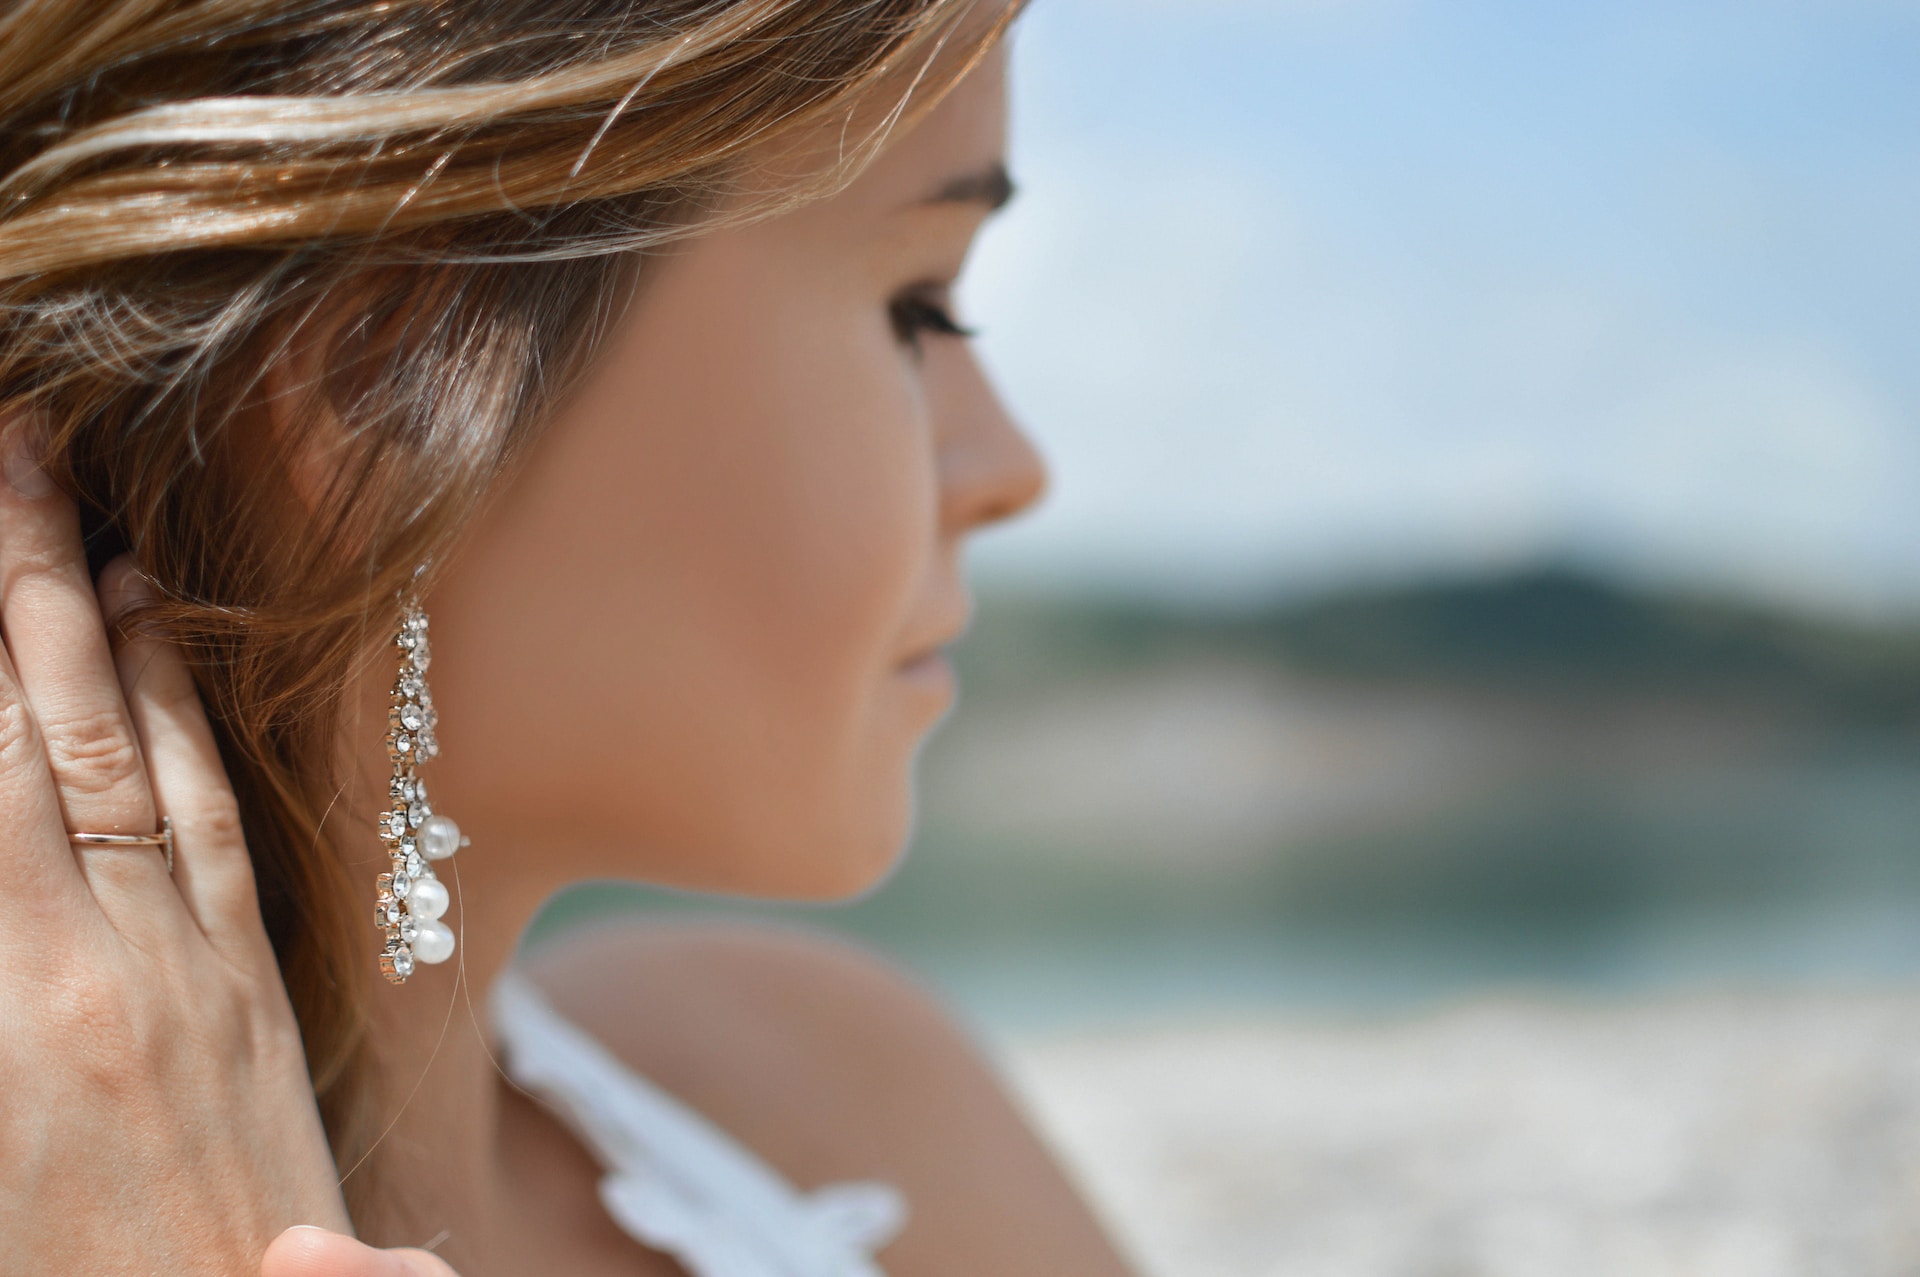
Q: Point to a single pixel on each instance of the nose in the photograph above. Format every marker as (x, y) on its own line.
(990, 470)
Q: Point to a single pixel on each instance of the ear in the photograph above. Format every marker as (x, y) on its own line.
(302, 384)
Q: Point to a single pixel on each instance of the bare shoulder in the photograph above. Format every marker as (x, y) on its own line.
(833, 1065)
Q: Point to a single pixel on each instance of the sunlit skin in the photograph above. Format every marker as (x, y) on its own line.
(698, 641)
(719, 591)
(695, 640)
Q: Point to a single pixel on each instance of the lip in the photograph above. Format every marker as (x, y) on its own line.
(934, 663)
(933, 654)
(932, 672)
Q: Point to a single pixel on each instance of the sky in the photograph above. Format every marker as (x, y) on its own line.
(1304, 291)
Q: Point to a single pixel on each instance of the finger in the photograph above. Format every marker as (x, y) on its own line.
(315, 1252)
(39, 875)
(58, 641)
(211, 869)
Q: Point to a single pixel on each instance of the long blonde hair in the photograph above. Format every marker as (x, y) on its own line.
(189, 187)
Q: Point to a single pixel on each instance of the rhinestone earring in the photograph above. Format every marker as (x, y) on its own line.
(411, 899)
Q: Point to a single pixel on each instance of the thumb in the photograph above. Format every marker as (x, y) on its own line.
(305, 1251)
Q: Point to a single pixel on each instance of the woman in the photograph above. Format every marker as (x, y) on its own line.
(615, 337)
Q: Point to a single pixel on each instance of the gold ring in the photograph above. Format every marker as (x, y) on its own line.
(162, 840)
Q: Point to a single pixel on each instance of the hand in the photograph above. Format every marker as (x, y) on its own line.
(314, 1252)
(156, 1116)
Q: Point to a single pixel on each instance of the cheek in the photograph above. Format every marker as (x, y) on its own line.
(716, 550)
(794, 505)
(807, 487)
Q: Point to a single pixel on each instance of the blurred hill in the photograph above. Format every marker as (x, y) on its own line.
(1392, 793)
(1546, 631)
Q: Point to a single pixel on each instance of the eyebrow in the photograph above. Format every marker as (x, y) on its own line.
(992, 187)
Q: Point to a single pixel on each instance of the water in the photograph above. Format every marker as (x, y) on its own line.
(1388, 981)
(1794, 872)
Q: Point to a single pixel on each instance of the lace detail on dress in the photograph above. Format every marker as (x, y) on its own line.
(675, 1181)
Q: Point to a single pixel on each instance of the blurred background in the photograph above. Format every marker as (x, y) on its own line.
(1437, 791)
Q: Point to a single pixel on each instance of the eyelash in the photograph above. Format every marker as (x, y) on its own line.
(917, 314)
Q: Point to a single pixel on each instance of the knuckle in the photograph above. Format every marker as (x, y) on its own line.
(218, 821)
(95, 752)
(105, 1040)
(19, 735)
(38, 558)
(128, 1040)
(222, 1020)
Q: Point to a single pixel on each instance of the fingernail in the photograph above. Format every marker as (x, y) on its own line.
(22, 464)
(122, 588)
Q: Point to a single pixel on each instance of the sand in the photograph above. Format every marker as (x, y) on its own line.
(1763, 1136)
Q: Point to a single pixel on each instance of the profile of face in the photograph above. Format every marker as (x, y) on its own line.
(698, 637)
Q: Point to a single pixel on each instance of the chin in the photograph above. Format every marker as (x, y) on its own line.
(829, 837)
(850, 867)
(853, 856)
(859, 878)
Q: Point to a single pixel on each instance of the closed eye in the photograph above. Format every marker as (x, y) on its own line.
(921, 312)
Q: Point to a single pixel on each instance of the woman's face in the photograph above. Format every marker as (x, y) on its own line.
(698, 638)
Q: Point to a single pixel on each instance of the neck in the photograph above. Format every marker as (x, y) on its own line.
(434, 1176)
(438, 1171)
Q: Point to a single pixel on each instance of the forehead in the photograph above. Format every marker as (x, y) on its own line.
(965, 133)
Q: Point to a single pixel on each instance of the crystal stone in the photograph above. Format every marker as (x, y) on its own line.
(412, 717)
(396, 823)
(393, 913)
(416, 866)
(403, 743)
(417, 812)
(422, 654)
(401, 787)
(402, 884)
(403, 962)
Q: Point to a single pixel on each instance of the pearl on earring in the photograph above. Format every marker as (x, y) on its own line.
(432, 941)
(429, 900)
(439, 837)
(411, 899)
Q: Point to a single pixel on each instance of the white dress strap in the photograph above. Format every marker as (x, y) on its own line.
(675, 1181)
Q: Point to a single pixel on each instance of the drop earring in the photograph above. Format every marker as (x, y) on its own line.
(411, 898)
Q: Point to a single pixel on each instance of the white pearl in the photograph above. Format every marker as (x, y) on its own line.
(428, 899)
(433, 943)
(439, 838)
